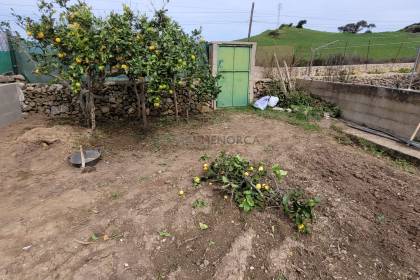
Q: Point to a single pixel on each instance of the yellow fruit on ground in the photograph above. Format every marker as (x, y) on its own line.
(40, 35)
(210, 184)
(251, 168)
(226, 197)
(197, 180)
(260, 168)
(258, 186)
(266, 187)
(181, 193)
(205, 167)
(301, 227)
(57, 40)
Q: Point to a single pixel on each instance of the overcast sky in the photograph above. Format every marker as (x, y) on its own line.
(228, 19)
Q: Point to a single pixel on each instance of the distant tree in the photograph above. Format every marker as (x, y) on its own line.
(286, 25)
(413, 28)
(301, 23)
(356, 27)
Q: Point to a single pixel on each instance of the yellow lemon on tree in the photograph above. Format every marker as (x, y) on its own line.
(124, 66)
(40, 35)
(77, 85)
(193, 57)
(57, 40)
(156, 104)
(78, 60)
(61, 55)
(171, 91)
(246, 174)
(152, 48)
(258, 186)
(37, 71)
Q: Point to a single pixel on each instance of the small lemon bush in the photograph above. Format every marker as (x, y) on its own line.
(256, 185)
(299, 209)
(249, 184)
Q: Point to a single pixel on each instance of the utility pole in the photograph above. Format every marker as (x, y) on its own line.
(250, 20)
(278, 15)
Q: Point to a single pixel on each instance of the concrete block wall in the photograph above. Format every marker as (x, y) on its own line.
(9, 104)
(393, 110)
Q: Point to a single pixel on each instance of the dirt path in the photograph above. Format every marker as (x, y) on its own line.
(367, 225)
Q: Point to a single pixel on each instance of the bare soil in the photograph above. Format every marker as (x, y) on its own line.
(366, 227)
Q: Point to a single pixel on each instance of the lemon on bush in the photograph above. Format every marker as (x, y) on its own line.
(193, 57)
(57, 40)
(261, 169)
(61, 55)
(246, 174)
(156, 104)
(124, 66)
(205, 167)
(40, 35)
(258, 186)
(101, 67)
(152, 48)
(78, 60)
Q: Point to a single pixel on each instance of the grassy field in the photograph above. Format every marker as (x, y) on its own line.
(384, 46)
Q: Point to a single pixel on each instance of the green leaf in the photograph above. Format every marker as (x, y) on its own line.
(164, 233)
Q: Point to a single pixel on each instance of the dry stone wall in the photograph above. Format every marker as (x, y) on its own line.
(115, 101)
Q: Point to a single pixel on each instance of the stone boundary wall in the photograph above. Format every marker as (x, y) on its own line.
(395, 111)
(117, 101)
(261, 73)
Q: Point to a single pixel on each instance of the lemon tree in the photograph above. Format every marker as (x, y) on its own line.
(71, 44)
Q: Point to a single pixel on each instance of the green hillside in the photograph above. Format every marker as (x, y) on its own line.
(384, 46)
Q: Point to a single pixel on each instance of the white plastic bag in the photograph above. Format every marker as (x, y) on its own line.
(272, 102)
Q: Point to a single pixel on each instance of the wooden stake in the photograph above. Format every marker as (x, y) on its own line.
(415, 132)
(282, 84)
(82, 157)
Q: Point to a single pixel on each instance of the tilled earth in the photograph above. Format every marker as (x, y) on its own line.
(366, 227)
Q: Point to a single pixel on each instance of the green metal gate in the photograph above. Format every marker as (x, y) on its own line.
(234, 66)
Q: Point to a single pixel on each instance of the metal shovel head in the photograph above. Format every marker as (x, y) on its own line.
(91, 158)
